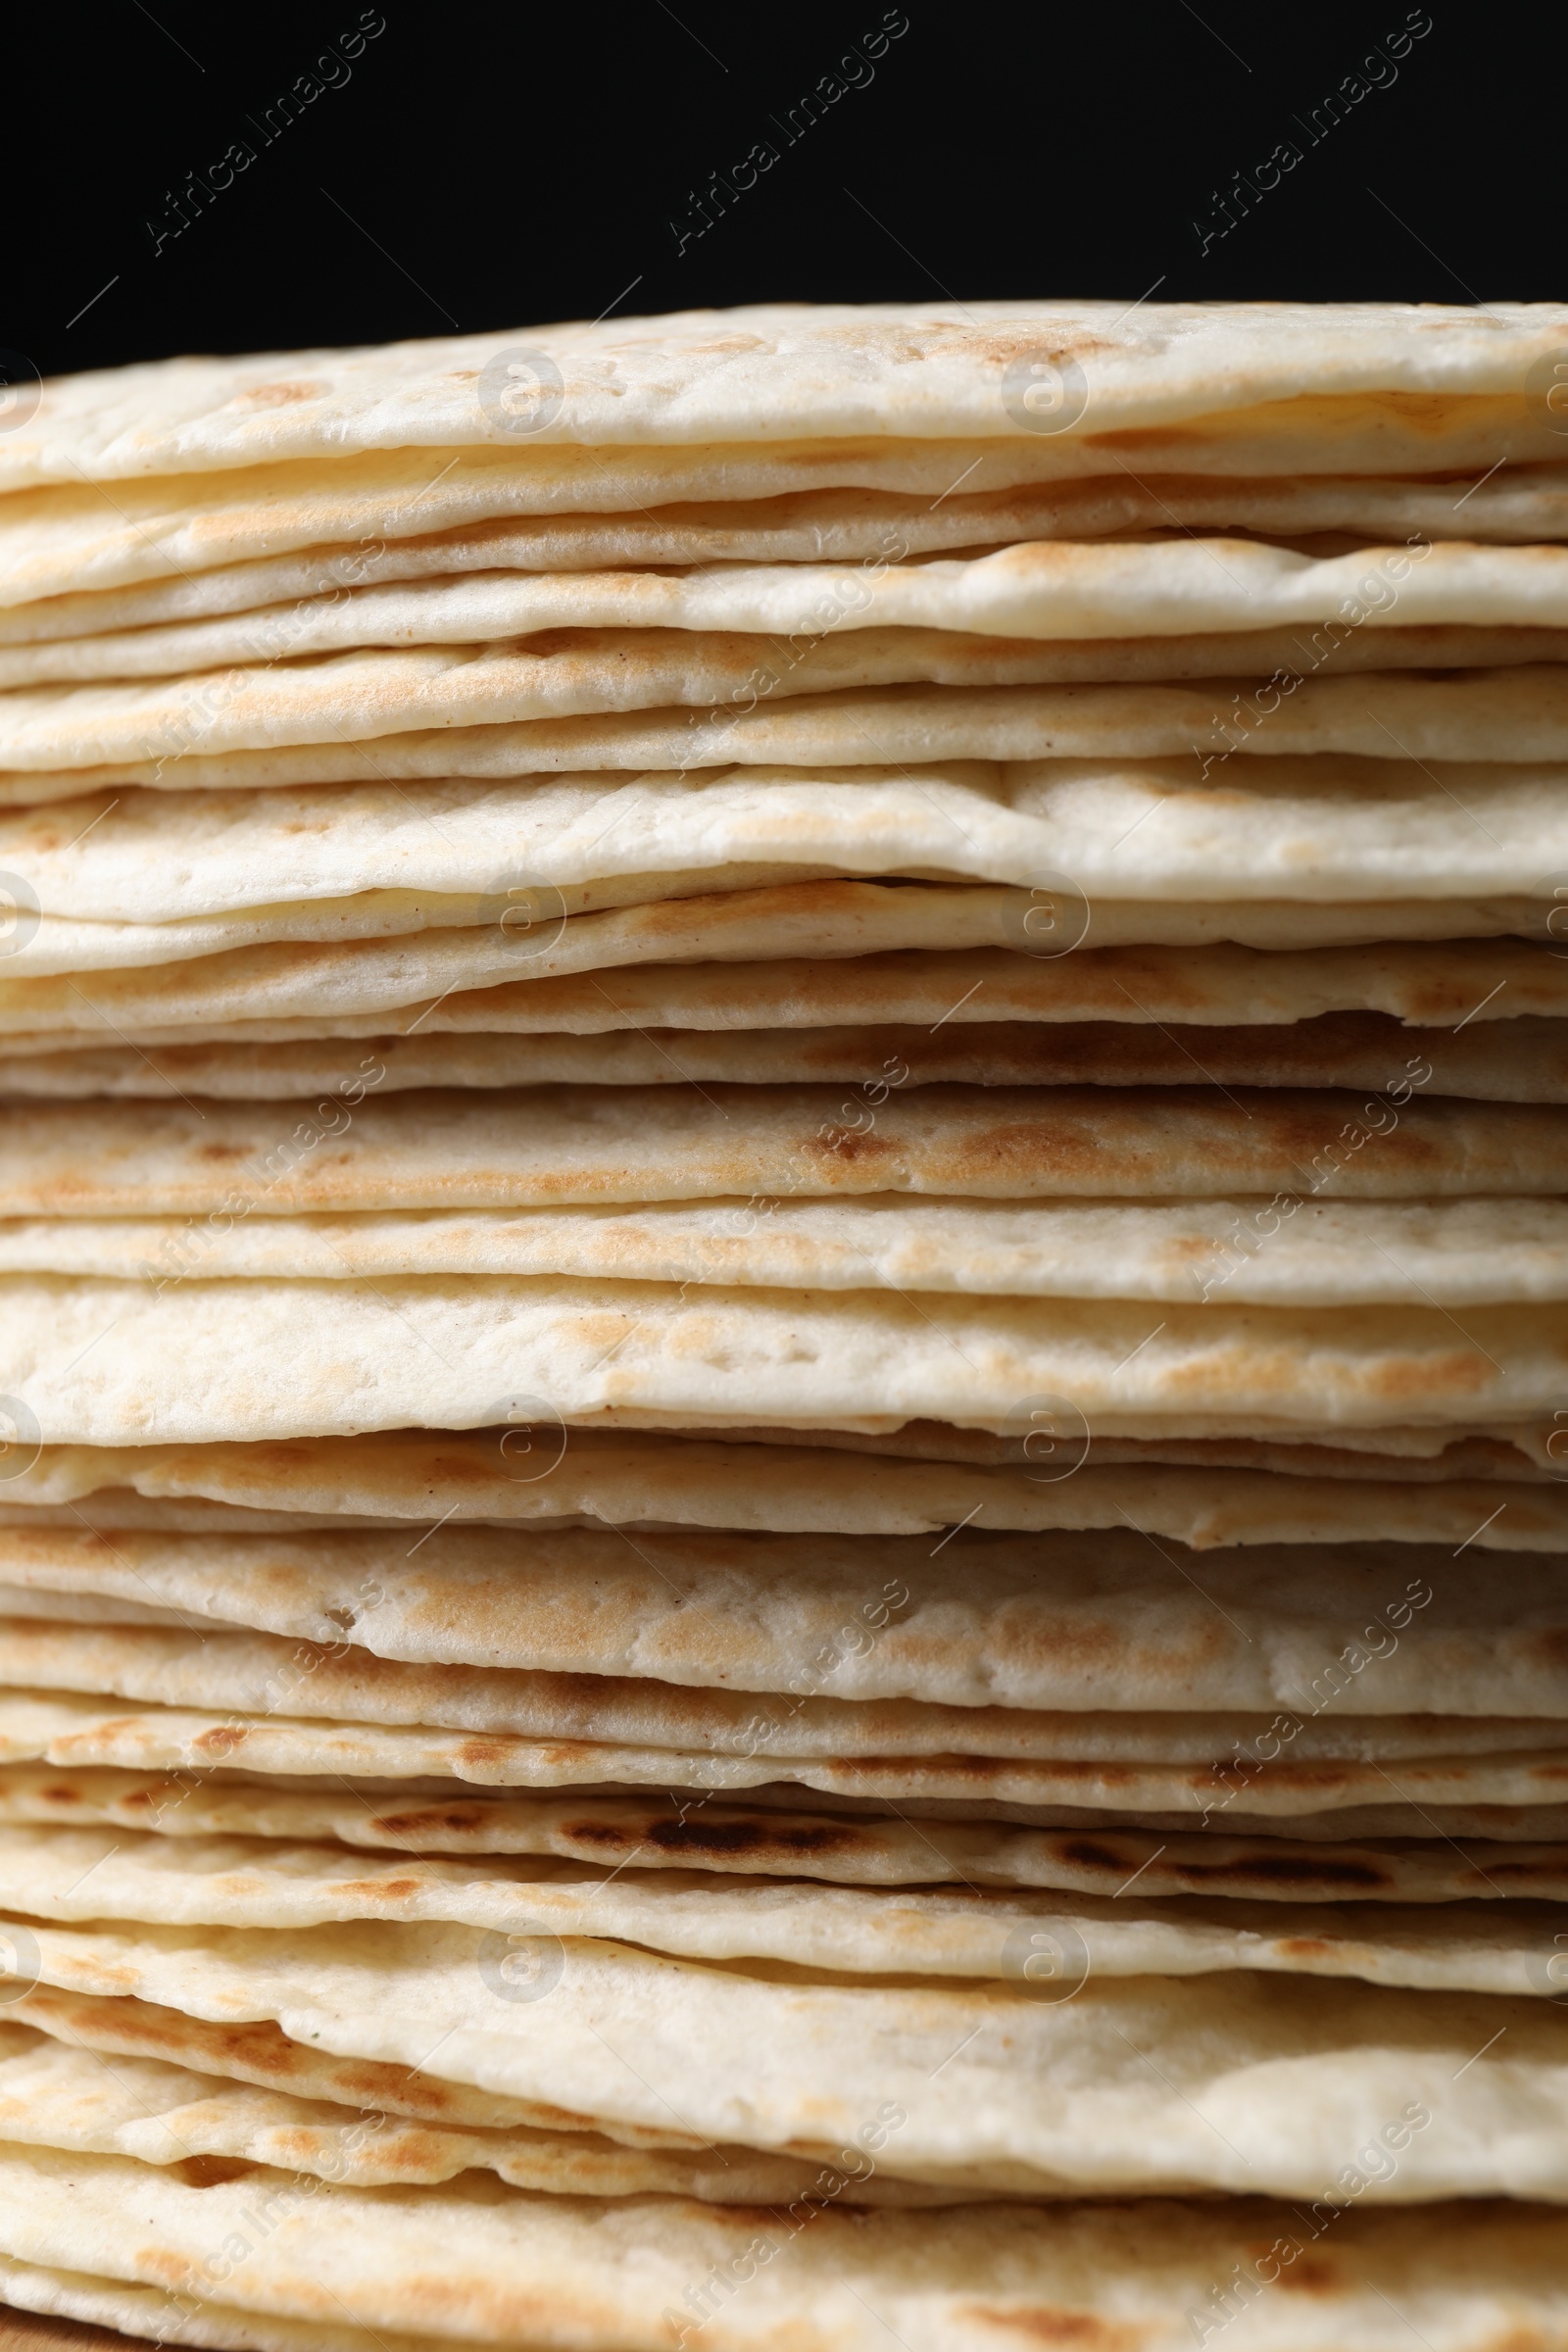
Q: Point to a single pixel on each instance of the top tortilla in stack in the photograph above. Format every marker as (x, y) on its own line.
(783, 1278)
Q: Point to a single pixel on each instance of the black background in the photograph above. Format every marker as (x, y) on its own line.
(488, 166)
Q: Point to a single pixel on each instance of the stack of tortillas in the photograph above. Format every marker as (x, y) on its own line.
(784, 1337)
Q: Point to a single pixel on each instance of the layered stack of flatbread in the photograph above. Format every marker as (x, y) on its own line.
(784, 1337)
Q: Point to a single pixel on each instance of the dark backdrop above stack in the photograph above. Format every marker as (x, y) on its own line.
(784, 1333)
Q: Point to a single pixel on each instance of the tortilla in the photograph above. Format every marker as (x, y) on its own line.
(541, 927)
(1466, 2271)
(1044, 589)
(1524, 1060)
(450, 1150)
(987, 1622)
(1215, 986)
(73, 538)
(844, 1932)
(53, 2097)
(1140, 2071)
(257, 2053)
(1339, 833)
(619, 1475)
(133, 733)
(1477, 714)
(62, 945)
(1333, 1722)
(1508, 1795)
(768, 372)
(65, 543)
(651, 1479)
(762, 1842)
(1506, 1451)
(1432, 1797)
(1511, 1795)
(841, 526)
(70, 2311)
(268, 994)
(1247, 1249)
(452, 1352)
(1193, 1507)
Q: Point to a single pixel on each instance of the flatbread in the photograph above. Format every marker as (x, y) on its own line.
(53, 944)
(453, 1351)
(1514, 1797)
(665, 1481)
(1069, 590)
(73, 539)
(989, 1622)
(1247, 1249)
(759, 1841)
(1337, 1732)
(51, 2310)
(767, 372)
(1340, 833)
(1200, 1763)
(833, 1931)
(257, 2053)
(622, 1476)
(266, 995)
(538, 926)
(1522, 1060)
(344, 696)
(53, 2097)
(841, 526)
(1140, 2071)
(353, 1152)
(1508, 1451)
(1467, 2271)
(133, 733)
(1444, 713)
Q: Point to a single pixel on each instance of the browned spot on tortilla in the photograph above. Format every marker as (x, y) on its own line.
(1311, 2275)
(700, 1837)
(482, 1751)
(549, 641)
(159, 2268)
(434, 1817)
(221, 1739)
(1090, 1856)
(1287, 1870)
(280, 395)
(1051, 2325)
(848, 1148)
(211, 2172)
(1548, 1874)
